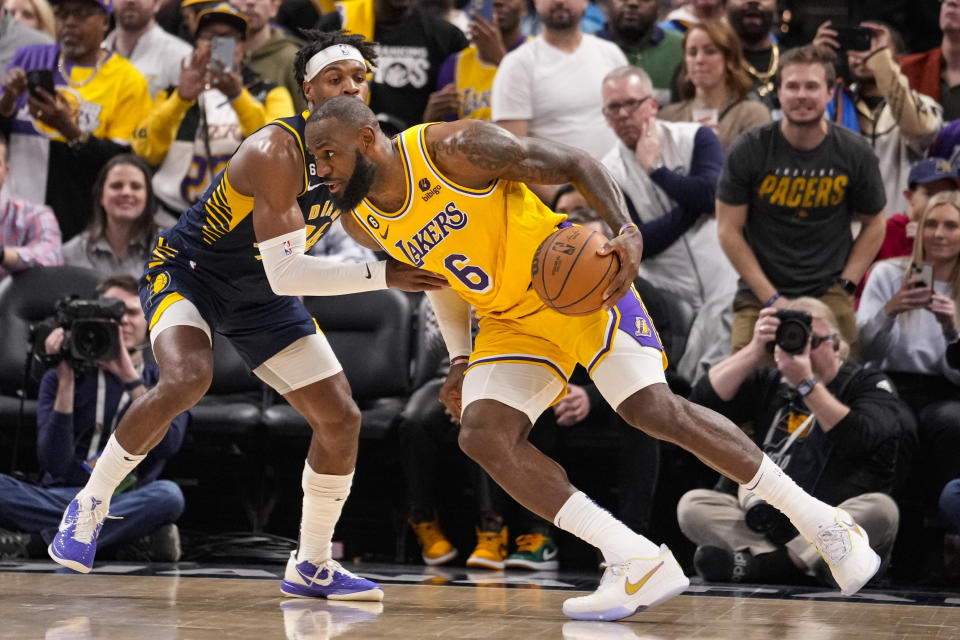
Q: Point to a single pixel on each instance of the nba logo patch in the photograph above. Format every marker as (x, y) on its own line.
(643, 328)
(161, 282)
(287, 248)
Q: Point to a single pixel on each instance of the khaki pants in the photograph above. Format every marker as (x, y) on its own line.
(715, 518)
(746, 311)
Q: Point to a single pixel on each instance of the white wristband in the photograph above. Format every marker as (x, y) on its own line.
(453, 318)
(292, 273)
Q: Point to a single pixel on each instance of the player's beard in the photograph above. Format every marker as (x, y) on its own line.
(357, 186)
(753, 32)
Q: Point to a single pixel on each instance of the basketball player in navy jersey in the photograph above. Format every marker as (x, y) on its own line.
(224, 267)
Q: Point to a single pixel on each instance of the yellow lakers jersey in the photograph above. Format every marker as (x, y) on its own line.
(474, 80)
(482, 240)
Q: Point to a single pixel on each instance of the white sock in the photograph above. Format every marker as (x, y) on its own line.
(779, 490)
(114, 464)
(582, 517)
(323, 498)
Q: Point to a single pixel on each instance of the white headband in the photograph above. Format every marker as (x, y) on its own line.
(334, 53)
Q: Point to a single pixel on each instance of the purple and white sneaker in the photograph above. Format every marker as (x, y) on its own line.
(326, 580)
(75, 544)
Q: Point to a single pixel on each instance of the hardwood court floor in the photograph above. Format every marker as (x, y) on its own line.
(34, 604)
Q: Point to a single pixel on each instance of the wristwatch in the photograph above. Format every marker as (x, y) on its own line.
(657, 164)
(848, 285)
(806, 386)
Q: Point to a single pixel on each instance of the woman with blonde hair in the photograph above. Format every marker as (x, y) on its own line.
(908, 327)
(36, 14)
(713, 84)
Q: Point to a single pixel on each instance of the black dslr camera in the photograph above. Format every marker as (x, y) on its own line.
(91, 332)
(794, 330)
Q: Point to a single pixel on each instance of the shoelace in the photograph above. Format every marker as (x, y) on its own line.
(428, 533)
(530, 542)
(333, 566)
(611, 571)
(834, 543)
(87, 521)
(489, 540)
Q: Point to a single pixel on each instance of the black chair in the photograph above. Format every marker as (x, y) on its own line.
(371, 334)
(27, 297)
(234, 402)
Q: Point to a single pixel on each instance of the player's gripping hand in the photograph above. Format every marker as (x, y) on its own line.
(629, 248)
(451, 393)
(406, 278)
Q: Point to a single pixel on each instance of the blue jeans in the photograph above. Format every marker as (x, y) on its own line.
(28, 508)
(950, 505)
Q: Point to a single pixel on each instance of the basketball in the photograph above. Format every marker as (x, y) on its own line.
(567, 273)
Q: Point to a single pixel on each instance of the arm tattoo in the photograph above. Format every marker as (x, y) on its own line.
(482, 146)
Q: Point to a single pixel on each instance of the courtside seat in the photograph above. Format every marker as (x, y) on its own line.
(27, 297)
(371, 335)
(233, 404)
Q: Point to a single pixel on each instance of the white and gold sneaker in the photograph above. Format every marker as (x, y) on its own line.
(630, 586)
(845, 547)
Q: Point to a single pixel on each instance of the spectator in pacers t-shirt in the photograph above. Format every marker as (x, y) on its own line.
(787, 195)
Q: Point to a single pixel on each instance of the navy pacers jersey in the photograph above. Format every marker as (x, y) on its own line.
(214, 238)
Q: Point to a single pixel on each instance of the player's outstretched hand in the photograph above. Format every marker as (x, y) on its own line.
(406, 278)
(629, 248)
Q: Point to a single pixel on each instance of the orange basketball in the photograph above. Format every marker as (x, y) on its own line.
(567, 273)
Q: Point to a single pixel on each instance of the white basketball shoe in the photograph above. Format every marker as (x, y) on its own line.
(845, 547)
(630, 586)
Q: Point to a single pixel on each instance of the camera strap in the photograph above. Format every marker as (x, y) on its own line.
(799, 431)
(94, 447)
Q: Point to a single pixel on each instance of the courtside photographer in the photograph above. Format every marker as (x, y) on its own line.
(95, 349)
(838, 429)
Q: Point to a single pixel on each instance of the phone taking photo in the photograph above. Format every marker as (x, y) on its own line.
(922, 275)
(40, 79)
(222, 52)
(482, 8)
(853, 38)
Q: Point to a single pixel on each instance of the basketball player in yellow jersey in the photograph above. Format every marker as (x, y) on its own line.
(450, 198)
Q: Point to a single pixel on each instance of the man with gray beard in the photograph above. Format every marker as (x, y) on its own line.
(668, 172)
(138, 38)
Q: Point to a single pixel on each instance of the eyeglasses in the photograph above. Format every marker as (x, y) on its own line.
(628, 106)
(816, 341)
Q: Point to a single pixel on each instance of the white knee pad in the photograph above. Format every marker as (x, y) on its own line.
(304, 362)
(528, 388)
(180, 313)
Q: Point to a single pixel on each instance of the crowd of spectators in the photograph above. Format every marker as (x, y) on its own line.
(774, 159)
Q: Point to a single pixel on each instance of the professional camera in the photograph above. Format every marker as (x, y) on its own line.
(794, 330)
(91, 329)
(763, 518)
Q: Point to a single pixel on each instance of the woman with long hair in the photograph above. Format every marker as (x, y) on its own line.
(122, 230)
(908, 327)
(713, 84)
(36, 14)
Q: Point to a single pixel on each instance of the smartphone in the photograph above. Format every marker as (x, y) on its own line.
(222, 52)
(922, 275)
(853, 38)
(482, 8)
(42, 79)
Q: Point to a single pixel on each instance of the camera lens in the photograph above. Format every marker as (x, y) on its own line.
(792, 336)
(91, 340)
